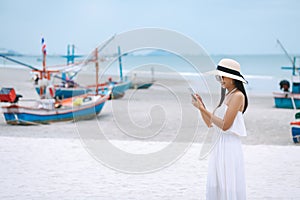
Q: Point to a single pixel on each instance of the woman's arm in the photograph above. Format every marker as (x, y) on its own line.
(206, 119)
(198, 103)
(234, 105)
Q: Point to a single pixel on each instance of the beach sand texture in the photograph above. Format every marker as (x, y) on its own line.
(50, 161)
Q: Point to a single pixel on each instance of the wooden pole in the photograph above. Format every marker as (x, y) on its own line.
(68, 54)
(43, 75)
(294, 66)
(73, 53)
(97, 69)
(120, 64)
(44, 64)
(152, 74)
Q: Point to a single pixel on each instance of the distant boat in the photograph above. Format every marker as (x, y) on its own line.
(71, 56)
(69, 88)
(142, 84)
(9, 52)
(117, 90)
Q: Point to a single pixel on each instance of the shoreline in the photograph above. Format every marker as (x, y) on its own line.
(144, 75)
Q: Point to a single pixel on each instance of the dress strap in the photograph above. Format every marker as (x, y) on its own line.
(229, 94)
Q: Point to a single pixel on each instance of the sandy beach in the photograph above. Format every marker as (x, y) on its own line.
(51, 161)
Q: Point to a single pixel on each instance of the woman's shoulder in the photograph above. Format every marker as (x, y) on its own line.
(238, 94)
(236, 97)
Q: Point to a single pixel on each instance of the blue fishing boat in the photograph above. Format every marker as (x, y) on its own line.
(142, 84)
(49, 109)
(69, 88)
(295, 129)
(287, 98)
(117, 90)
(45, 111)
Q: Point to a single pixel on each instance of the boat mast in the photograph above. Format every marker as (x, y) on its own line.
(68, 54)
(294, 66)
(120, 63)
(293, 61)
(97, 69)
(43, 74)
(152, 74)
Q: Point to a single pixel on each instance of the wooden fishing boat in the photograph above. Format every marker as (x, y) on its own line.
(118, 89)
(70, 89)
(141, 85)
(287, 98)
(48, 110)
(295, 129)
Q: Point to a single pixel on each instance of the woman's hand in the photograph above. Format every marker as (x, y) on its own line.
(198, 103)
(206, 116)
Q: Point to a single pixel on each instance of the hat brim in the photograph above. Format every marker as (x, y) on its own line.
(221, 73)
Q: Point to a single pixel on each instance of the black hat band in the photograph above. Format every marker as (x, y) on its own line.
(230, 71)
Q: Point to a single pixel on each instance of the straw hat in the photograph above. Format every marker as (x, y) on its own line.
(229, 68)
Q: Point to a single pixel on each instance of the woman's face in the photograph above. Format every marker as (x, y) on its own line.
(225, 81)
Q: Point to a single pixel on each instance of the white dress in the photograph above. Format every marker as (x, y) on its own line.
(226, 176)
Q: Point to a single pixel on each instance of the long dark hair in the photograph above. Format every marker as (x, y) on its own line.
(240, 86)
(223, 92)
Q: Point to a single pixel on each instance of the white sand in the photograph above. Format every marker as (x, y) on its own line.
(60, 168)
(50, 162)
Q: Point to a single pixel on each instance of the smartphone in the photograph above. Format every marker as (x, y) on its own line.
(192, 93)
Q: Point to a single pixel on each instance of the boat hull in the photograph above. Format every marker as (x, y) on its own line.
(287, 100)
(141, 85)
(295, 133)
(118, 90)
(19, 115)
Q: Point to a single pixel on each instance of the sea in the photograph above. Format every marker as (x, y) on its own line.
(263, 72)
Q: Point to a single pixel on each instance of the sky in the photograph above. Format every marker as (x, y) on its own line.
(219, 26)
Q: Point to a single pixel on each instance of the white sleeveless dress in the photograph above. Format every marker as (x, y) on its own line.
(226, 176)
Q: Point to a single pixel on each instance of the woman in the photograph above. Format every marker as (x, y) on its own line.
(226, 177)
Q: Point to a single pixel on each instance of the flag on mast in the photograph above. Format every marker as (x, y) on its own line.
(43, 46)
